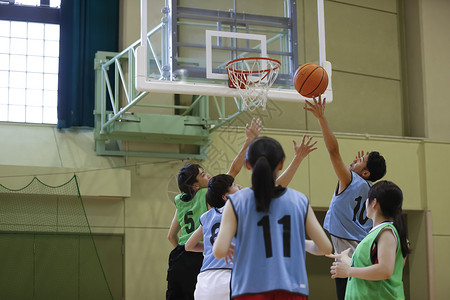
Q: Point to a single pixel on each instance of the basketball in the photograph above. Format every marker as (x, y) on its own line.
(310, 80)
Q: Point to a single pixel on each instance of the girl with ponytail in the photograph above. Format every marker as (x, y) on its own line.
(264, 158)
(376, 267)
(269, 224)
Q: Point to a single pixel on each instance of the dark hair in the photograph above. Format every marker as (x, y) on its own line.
(187, 177)
(264, 154)
(376, 166)
(390, 198)
(217, 187)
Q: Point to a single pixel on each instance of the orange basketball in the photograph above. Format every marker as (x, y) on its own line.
(310, 80)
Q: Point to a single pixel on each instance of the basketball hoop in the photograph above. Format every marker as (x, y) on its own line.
(253, 77)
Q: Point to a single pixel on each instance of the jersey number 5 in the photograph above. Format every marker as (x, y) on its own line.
(286, 222)
(361, 218)
(190, 225)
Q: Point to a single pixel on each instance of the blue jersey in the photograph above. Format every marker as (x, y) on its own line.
(210, 222)
(346, 218)
(270, 246)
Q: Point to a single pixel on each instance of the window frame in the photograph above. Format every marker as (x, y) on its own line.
(40, 14)
(27, 13)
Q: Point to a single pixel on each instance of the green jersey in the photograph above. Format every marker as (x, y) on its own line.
(364, 256)
(189, 212)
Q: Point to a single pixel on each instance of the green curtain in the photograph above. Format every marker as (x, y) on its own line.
(87, 26)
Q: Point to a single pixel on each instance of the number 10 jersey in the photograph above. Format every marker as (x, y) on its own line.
(346, 217)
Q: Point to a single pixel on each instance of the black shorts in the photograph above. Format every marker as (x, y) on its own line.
(182, 274)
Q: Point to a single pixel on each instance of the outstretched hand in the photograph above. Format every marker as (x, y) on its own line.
(304, 148)
(317, 107)
(361, 154)
(252, 131)
(358, 158)
(343, 256)
(340, 268)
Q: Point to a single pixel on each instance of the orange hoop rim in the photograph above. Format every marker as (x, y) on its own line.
(228, 67)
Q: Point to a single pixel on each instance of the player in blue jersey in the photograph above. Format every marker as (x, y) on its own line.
(214, 272)
(217, 272)
(184, 266)
(269, 224)
(346, 219)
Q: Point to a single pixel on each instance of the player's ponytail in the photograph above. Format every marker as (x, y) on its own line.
(186, 178)
(264, 154)
(262, 183)
(390, 198)
(399, 223)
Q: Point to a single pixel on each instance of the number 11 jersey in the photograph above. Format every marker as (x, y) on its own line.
(270, 246)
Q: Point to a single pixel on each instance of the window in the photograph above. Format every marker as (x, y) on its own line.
(29, 62)
(52, 3)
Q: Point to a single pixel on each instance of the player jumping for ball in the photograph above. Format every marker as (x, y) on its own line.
(346, 219)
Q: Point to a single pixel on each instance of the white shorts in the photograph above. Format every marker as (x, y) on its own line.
(213, 284)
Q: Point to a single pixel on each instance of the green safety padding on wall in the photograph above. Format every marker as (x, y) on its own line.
(46, 247)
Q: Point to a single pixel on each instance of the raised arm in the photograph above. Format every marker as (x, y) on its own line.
(227, 230)
(317, 107)
(251, 133)
(387, 246)
(301, 152)
(319, 244)
(194, 243)
(173, 231)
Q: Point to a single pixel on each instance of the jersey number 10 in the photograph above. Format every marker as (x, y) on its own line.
(361, 218)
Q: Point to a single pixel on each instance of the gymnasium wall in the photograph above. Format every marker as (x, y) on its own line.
(373, 106)
(435, 67)
(133, 197)
(386, 62)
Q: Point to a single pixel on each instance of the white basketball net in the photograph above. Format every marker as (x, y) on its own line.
(253, 77)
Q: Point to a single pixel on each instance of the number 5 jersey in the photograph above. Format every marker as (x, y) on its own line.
(189, 211)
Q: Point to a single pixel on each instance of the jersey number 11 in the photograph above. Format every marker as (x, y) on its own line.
(286, 223)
